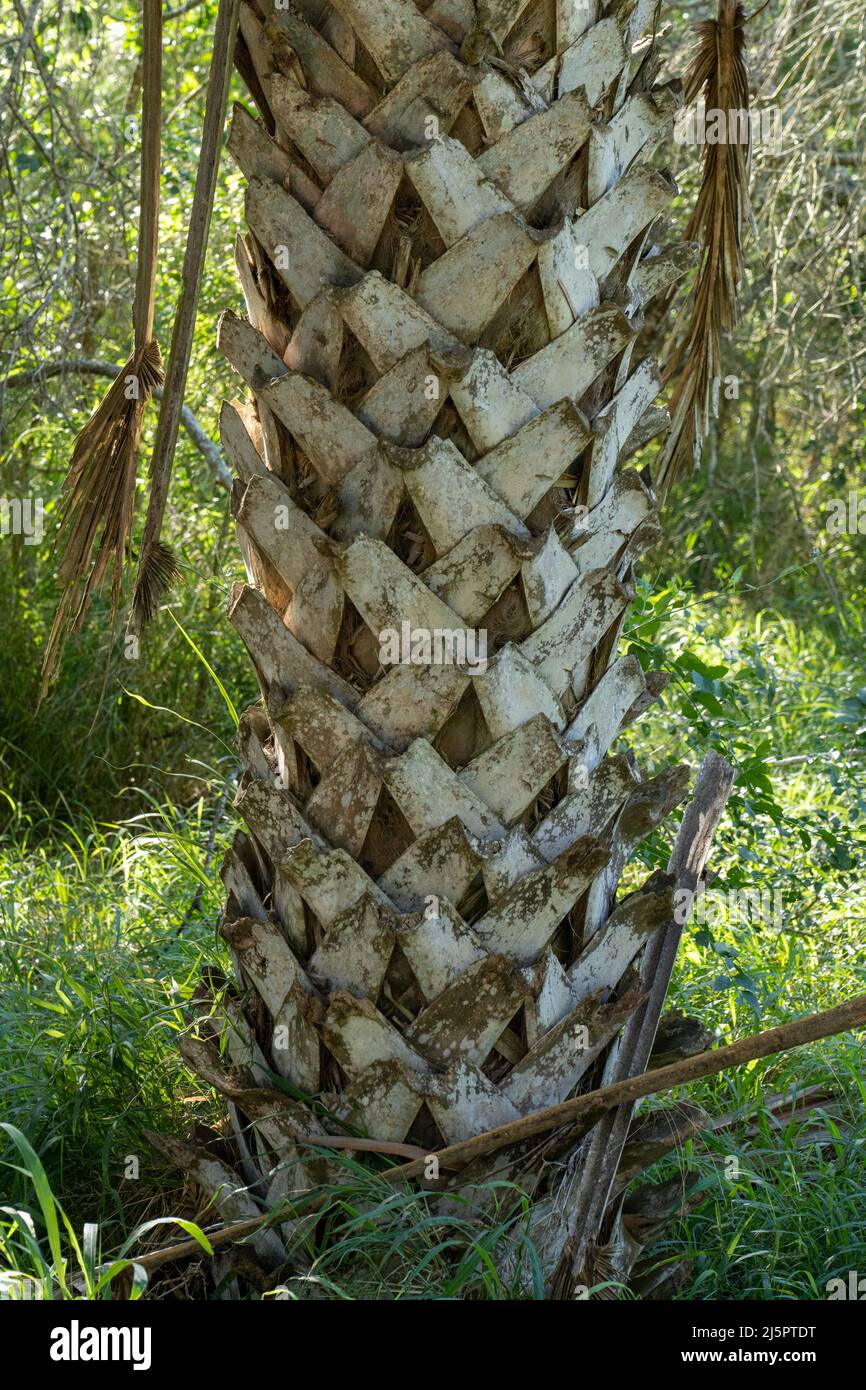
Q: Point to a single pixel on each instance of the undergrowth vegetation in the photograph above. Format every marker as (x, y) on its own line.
(104, 928)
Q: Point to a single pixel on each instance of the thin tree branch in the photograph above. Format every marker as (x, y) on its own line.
(144, 302)
(188, 1249)
(147, 584)
(851, 1014)
(237, 1230)
(94, 366)
(27, 30)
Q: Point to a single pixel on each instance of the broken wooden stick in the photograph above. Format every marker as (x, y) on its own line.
(851, 1014)
(157, 568)
(144, 302)
(795, 1034)
(237, 1230)
(585, 1208)
(842, 1018)
(188, 1249)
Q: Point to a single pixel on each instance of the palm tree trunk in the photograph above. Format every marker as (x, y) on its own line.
(453, 231)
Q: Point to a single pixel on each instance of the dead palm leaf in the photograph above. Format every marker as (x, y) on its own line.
(100, 485)
(718, 71)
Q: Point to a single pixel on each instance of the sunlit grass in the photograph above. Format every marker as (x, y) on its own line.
(98, 954)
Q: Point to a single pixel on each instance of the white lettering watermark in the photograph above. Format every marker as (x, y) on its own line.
(698, 125)
(854, 1288)
(847, 516)
(22, 516)
(715, 908)
(77, 1343)
(437, 646)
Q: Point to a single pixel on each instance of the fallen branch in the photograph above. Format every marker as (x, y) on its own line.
(237, 1230)
(586, 1205)
(797, 1033)
(95, 366)
(188, 1249)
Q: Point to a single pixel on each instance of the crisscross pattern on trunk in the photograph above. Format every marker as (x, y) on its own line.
(453, 228)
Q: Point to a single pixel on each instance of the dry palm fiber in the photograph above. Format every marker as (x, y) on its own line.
(100, 485)
(717, 71)
(157, 567)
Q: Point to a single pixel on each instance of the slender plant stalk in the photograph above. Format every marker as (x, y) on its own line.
(144, 304)
(157, 568)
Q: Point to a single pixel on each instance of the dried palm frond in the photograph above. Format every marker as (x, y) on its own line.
(158, 571)
(100, 486)
(718, 71)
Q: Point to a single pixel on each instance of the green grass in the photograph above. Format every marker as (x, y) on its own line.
(359, 1238)
(766, 691)
(779, 1214)
(55, 1263)
(370, 1240)
(97, 959)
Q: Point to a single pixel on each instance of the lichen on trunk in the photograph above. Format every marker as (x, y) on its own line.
(454, 226)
